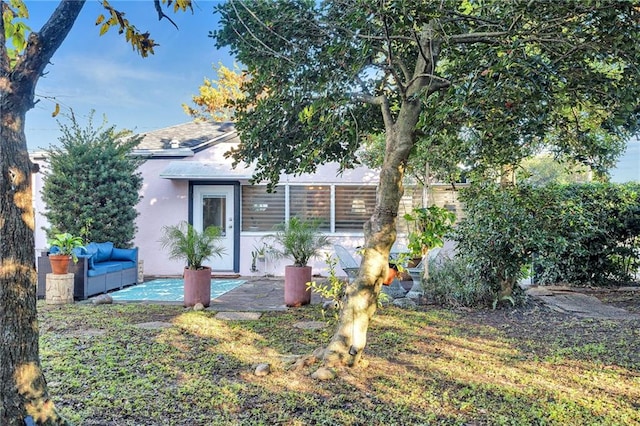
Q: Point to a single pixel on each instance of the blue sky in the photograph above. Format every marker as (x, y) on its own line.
(143, 94)
(106, 75)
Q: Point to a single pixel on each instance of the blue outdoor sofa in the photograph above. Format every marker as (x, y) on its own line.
(101, 267)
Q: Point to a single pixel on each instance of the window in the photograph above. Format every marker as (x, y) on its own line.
(262, 210)
(354, 205)
(350, 206)
(312, 202)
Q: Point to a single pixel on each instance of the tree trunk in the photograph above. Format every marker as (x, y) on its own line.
(361, 296)
(22, 385)
(23, 388)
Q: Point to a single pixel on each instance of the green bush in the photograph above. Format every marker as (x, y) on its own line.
(581, 234)
(92, 184)
(452, 282)
(598, 230)
(500, 232)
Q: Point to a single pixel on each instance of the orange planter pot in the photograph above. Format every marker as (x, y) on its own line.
(59, 263)
(391, 275)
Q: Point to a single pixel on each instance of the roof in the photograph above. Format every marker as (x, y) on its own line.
(183, 140)
(196, 170)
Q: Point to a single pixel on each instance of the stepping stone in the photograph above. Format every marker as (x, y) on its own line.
(238, 316)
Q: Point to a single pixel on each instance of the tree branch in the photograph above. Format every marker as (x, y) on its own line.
(480, 37)
(161, 14)
(253, 36)
(42, 45)
(4, 56)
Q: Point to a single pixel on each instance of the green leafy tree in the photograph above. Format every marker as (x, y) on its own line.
(24, 55)
(485, 78)
(92, 178)
(545, 169)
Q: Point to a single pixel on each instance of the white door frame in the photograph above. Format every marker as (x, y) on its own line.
(230, 240)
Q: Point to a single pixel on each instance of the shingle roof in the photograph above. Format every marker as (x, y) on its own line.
(192, 135)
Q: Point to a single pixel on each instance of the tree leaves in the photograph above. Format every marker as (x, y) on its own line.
(15, 30)
(93, 178)
(504, 74)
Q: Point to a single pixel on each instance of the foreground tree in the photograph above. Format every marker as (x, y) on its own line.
(23, 59)
(92, 185)
(490, 75)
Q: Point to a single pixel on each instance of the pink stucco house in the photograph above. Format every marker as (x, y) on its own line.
(187, 177)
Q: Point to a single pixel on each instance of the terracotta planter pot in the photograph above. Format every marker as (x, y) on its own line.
(391, 274)
(197, 286)
(295, 285)
(59, 263)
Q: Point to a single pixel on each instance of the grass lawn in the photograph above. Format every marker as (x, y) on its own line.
(524, 366)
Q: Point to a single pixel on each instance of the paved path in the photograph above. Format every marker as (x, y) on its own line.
(572, 301)
(258, 294)
(262, 294)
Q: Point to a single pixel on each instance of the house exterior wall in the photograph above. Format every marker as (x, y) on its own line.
(166, 202)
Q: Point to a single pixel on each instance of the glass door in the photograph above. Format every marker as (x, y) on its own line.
(213, 205)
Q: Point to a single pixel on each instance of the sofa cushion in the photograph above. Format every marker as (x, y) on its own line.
(92, 250)
(104, 268)
(79, 251)
(104, 251)
(124, 254)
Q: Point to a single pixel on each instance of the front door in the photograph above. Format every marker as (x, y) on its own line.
(214, 205)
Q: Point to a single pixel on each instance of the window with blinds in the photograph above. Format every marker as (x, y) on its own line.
(262, 210)
(354, 205)
(311, 202)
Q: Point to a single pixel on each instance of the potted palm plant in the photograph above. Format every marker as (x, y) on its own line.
(62, 251)
(298, 240)
(184, 242)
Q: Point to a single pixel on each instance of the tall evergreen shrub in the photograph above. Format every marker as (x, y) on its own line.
(92, 184)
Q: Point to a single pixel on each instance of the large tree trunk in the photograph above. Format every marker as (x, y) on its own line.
(23, 388)
(350, 338)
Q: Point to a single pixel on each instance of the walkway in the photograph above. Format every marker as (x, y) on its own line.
(262, 294)
(572, 301)
(258, 294)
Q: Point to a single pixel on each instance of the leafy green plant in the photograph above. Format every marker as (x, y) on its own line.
(298, 239)
(502, 228)
(184, 242)
(453, 283)
(428, 226)
(581, 234)
(597, 230)
(337, 286)
(66, 243)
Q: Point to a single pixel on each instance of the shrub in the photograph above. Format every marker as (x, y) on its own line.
(452, 282)
(598, 230)
(581, 234)
(92, 185)
(500, 233)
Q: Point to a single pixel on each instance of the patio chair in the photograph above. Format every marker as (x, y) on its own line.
(348, 264)
(416, 273)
